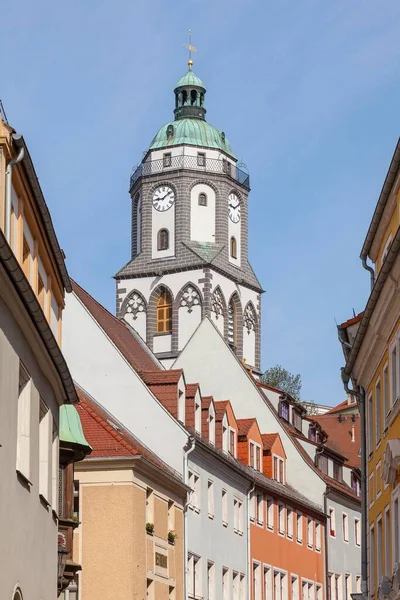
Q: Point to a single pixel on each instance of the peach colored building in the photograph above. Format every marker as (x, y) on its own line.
(130, 507)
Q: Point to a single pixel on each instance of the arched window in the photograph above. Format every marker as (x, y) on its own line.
(139, 225)
(233, 247)
(193, 97)
(17, 594)
(202, 199)
(164, 313)
(163, 239)
(232, 324)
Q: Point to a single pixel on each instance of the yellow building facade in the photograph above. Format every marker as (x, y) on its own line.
(372, 348)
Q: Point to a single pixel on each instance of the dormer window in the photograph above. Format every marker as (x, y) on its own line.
(284, 410)
(312, 433)
(337, 471)
(181, 406)
(225, 441)
(322, 463)
(211, 425)
(296, 417)
(232, 442)
(197, 417)
(279, 469)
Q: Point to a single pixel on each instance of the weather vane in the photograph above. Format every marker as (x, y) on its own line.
(191, 49)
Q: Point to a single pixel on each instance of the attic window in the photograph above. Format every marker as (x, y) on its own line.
(312, 433)
(322, 463)
(167, 159)
(201, 159)
(170, 131)
(284, 410)
(296, 416)
(337, 471)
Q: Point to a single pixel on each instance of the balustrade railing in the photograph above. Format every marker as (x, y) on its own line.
(195, 163)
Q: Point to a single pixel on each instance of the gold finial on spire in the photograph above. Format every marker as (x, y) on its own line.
(191, 49)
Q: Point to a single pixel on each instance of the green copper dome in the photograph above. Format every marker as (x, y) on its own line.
(190, 79)
(193, 132)
(71, 433)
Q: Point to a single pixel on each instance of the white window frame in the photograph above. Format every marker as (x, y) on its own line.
(289, 522)
(267, 582)
(332, 521)
(281, 519)
(210, 580)
(194, 483)
(211, 424)
(299, 540)
(378, 479)
(378, 418)
(181, 405)
(379, 544)
(242, 583)
(225, 583)
(197, 415)
(195, 575)
(387, 535)
(357, 532)
(237, 516)
(45, 458)
(258, 453)
(224, 505)
(318, 536)
(235, 585)
(225, 435)
(260, 508)
(345, 527)
(230, 431)
(252, 507)
(295, 578)
(269, 510)
(280, 464)
(371, 562)
(385, 394)
(386, 249)
(23, 465)
(319, 588)
(348, 586)
(310, 528)
(371, 432)
(394, 369)
(395, 519)
(371, 487)
(256, 580)
(210, 498)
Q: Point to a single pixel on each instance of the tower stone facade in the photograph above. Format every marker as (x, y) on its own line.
(189, 242)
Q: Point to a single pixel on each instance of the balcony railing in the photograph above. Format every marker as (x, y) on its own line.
(193, 163)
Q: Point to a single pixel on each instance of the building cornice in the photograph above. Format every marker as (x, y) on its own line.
(23, 288)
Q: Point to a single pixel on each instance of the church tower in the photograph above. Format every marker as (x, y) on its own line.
(189, 240)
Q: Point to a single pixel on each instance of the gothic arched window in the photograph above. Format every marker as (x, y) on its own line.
(202, 199)
(233, 247)
(164, 313)
(232, 324)
(163, 239)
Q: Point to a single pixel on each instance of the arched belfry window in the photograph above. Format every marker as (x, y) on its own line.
(164, 313)
(193, 97)
(233, 247)
(232, 324)
(163, 239)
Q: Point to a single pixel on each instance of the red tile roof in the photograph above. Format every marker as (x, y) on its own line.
(161, 377)
(107, 436)
(206, 401)
(191, 390)
(269, 440)
(133, 351)
(352, 321)
(340, 436)
(220, 409)
(244, 426)
(340, 407)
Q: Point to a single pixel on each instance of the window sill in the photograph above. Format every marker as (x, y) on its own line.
(44, 501)
(289, 537)
(310, 547)
(24, 478)
(300, 542)
(210, 516)
(224, 523)
(270, 528)
(260, 523)
(281, 533)
(161, 334)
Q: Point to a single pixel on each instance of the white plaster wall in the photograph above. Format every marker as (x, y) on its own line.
(228, 287)
(309, 448)
(347, 475)
(208, 360)
(163, 220)
(273, 397)
(218, 321)
(138, 324)
(249, 346)
(162, 343)
(28, 541)
(175, 282)
(208, 538)
(188, 321)
(97, 365)
(202, 218)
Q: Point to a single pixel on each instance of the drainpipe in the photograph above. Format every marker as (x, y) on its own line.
(188, 449)
(327, 527)
(250, 575)
(359, 393)
(8, 185)
(370, 269)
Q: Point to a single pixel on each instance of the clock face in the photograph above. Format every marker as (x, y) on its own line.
(163, 198)
(234, 208)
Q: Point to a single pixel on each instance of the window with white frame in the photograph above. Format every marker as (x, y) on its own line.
(194, 576)
(289, 522)
(388, 566)
(260, 509)
(270, 507)
(242, 585)
(284, 587)
(299, 532)
(307, 590)
(256, 581)
(235, 585)
(197, 416)
(181, 406)
(345, 527)
(281, 519)
(347, 586)
(378, 411)
(24, 423)
(45, 463)
(252, 507)
(258, 458)
(171, 515)
(280, 585)
(225, 433)
(267, 583)
(318, 592)
(232, 442)
(385, 391)
(396, 525)
(378, 479)
(55, 456)
(318, 536)
(371, 489)
(379, 545)
(294, 587)
(224, 499)
(237, 516)
(210, 581)
(194, 483)
(394, 357)
(330, 588)
(358, 584)
(210, 492)
(386, 249)
(279, 469)
(370, 425)
(357, 532)
(310, 532)
(372, 556)
(332, 522)
(211, 424)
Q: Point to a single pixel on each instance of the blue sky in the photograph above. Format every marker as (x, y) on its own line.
(308, 95)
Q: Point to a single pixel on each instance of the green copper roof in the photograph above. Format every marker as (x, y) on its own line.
(190, 79)
(194, 132)
(71, 427)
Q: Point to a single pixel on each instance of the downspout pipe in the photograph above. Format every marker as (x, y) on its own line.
(359, 393)
(370, 269)
(8, 185)
(188, 449)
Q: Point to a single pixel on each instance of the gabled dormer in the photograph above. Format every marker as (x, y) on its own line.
(330, 462)
(274, 457)
(193, 419)
(291, 411)
(208, 419)
(250, 443)
(169, 387)
(226, 428)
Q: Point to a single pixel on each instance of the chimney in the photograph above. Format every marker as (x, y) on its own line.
(353, 433)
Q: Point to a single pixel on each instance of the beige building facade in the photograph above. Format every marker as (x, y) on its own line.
(130, 539)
